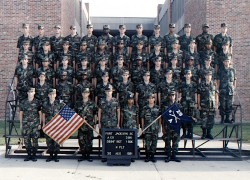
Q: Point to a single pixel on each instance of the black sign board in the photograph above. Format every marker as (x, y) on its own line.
(119, 143)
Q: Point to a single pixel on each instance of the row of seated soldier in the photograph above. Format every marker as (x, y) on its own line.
(197, 71)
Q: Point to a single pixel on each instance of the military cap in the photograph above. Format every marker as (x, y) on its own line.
(109, 88)
(157, 43)
(187, 71)
(187, 25)
(146, 73)
(106, 26)
(63, 73)
(120, 57)
(105, 73)
(57, 27)
(122, 26)
(158, 58)
(139, 58)
(171, 93)
(45, 59)
(171, 25)
(104, 58)
(65, 58)
(83, 43)
(193, 40)
(208, 57)
(85, 90)
(42, 73)
(84, 73)
(157, 26)
(101, 42)
(191, 58)
(223, 25)
(176, 41)
(72, 27)
(40, 27)
(66, 42)
(89, 26)
(151, 95)
(24, 25)
(205, 25)
(125, 72)
(45, 43)
(26, 42)
(31, 89)
(169, 71)
(174, 57)
(207, 41)
(120, 41)
(227, 58)
(208, 73)
(23, 57)
(139, 26)
(140, 42)
(130, 95)
(52, 91)
(84, 58)
(225, 43)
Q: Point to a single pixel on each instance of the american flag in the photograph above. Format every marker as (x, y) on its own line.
(63, 125)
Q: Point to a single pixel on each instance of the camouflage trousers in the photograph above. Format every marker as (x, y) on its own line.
(151, 142)
(207, 118)
(226, 104)
(85, 140)
(53, 147)
(168, 136)
(31, 134)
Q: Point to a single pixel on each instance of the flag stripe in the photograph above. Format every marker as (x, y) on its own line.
(56, 121)
(58, 126)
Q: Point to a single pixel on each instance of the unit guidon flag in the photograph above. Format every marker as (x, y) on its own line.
(63, 125)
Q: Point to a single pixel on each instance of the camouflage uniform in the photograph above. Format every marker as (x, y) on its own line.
(187, 54)
(125, 39)
(219, 58)
(177, 73)
(165, 88)
(108, 38)
(42, 92)
(74, 42)
(194, 71)
(98, 74)
(79, 87)
(137, 73)
(202, 38)
(84, 55)
(207, 103)
(123, 90)
(157, 76)
(56, 46)
(65, 92)
(29, 54)
(70, 73)
(179, 56)
(184, 42)
(144, 56)
(40, 55)
(203, 71)
(116, 75)
(169, 39)
(70, 54)
(30, 123)
(22, 39)
(100, 91)
(91, 40)
(154, 40)
(50, 75)
(130, 116)
(87, 110)
(80, 72)
(153, 57)
(38, 41)
(135, 39)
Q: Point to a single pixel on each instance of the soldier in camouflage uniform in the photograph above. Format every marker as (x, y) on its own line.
(66, 52)
(50, 74)
(192, 52)
(227, 85)
(149, 113)
(186, 38)
(100, 53)
(207, 102)
(84, 68)
(155, 38)
(99, 70)
(121, 37)
(138, 37)
(124, 87)
(203, 71)
(50, 109)
(74, 40)
(170, 38)
(25, 51)
(175, 51)
(142, 53)
(188, 90)
(121, 50)
(65, 89)
(208, 51)
(137, 72)
(65, 67)
(88, 110)
(38, 40)
(221, 56)
(222, 38)
(24, 78)
(90, 39)
(157, 73)
(25, 37)
(155, 53)
(56, 42)
(83, 52)
(190, 66)
(176, 69)
(30, 124)
(202, 38)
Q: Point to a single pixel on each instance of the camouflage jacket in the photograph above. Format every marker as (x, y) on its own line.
(30, 111)
(91, 42)
(219, 40)
(49, 73)
(184, 42)
(24, 77)
(149, 115)
(207, 94)
(153, 40)
(50, 110)
(130, 116)
(134, 41)
(74, 42)
(168, 40)
(143, 91)
(227, 78)
(56, 44)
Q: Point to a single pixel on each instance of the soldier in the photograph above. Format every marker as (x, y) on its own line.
(30, 124)
(99, 70)
(101, 52)
(138, 37)
(24, 78)
(155, 38)
(56, 42)
(149, 113)
(155, 53)
(157, 73)
(188, 94)
(207, 102)
(222, 38)
(137, 72)
(65, 89)
(25, 37)
(186, 38)
(190, 66)
(121, 37)
(142, 53)
(207, 68)
(205, 36)
(90, 39)
(50, 109)
(124, 87)
(207, 51)
(108, 38)
(65, 67)
(170, 38)
(38, 40)
(121, 50)
(175, 51)
(176, 69)
(83, 52)
(88, 110)
(74, 39)
(25, 51)
(227, 85)
(66, 52)
(191, 51)
(166, 87)
(143, 90)
(220, 57)
(50, 74)
(84, 68)
(42, 88)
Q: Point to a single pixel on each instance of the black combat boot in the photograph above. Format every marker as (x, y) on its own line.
(167, 159)
(152, 157)
(88, 157)
(83, 157)
(184, 133)
(203, 133)
(174, 158)
(28, 156)
(147, 157)
(222, 119)
(34, 159)
(56, 157)
(50, 158)
(209, 135)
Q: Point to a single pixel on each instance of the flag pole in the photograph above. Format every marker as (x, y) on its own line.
(91, 127)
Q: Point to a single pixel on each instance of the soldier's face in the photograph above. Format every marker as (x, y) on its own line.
(89, 30)
(25, 61)
(84, 46)
(26, 46)
(157, 30)
(131, 101)
(41, 31)
(26, 30)
(122, 30)
(106, 30)
(73, 30)
(208, 77)
(52, 96)
(226, 63)
(157, 47)
(146, 78)
(65, 46)
(46, 47)
(224, 29)
(102, 46)
(175, 45)
(151, 100)
(103, 62)
(190, 62)
(174, 61)
(45, 63)
(57, 30)
(65, 62)
(192, 45)
(84, 63)
(172, 98)
(120, 62)
(85, 94)
(207, 62)
(169, 76)
(225, 47)
(63, 77)
(125, 76)
(105, 78)
(171, 29)
(139, 46)
(188, 76)
(121, 45)
(109, 93)
(187, 29)
(205, 29)
(31, 94)
(139, 30)
(42, 77)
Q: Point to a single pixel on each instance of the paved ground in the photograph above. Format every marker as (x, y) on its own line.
(17, 169)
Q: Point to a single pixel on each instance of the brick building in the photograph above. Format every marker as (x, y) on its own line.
(236, 13)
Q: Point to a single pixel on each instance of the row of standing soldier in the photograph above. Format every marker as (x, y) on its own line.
(186, 72)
